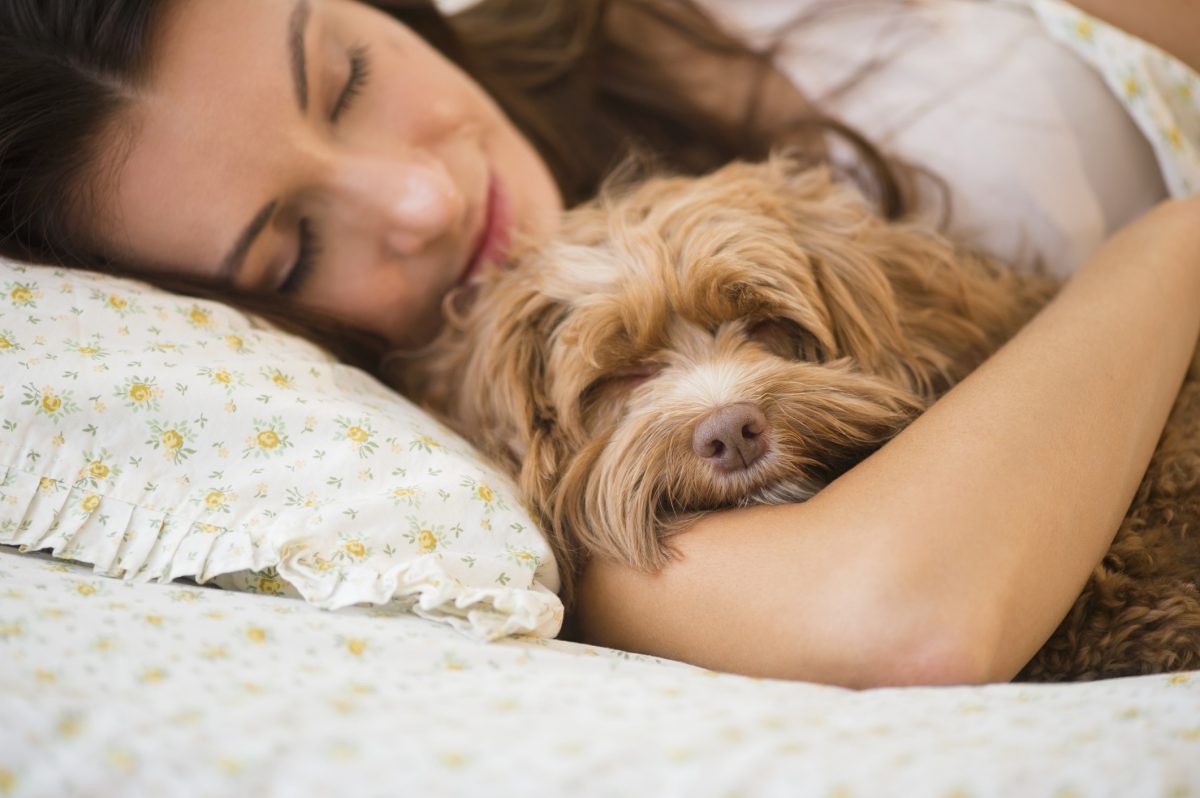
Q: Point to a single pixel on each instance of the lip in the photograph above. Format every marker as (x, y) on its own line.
(491, 242)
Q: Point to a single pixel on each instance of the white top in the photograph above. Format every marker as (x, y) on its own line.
(1041, 158)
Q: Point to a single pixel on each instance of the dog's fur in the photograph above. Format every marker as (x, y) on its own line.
(587, 370)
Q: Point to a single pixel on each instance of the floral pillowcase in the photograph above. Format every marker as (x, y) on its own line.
(157, 436)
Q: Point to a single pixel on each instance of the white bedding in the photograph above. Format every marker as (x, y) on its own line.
(115, 689)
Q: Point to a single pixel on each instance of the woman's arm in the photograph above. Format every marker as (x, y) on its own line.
(953, 552)
(1173, 25)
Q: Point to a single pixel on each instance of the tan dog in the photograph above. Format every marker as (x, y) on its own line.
(689, 344)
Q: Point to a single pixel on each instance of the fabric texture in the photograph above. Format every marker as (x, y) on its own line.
(113, 689)
(1161, 92)
(1042, 162)
(160, 437)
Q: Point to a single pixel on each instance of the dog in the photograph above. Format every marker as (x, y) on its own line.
(687, 344)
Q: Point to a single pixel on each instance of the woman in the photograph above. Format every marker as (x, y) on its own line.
(323, 153)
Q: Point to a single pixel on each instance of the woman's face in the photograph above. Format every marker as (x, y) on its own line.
(320, 149)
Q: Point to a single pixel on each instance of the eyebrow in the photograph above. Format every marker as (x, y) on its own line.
(297, 25)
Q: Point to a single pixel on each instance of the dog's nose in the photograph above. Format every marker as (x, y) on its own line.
(732, 437)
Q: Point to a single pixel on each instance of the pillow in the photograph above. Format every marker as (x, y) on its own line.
(158, 436)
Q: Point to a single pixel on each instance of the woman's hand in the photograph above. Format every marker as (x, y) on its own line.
(951, 554)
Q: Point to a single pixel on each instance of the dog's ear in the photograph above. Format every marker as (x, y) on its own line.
(485, 374)
(486, 377)
(902, 300)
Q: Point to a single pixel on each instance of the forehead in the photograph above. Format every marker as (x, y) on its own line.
(220, 82)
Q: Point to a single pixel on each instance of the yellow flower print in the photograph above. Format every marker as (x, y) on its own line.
(424, 443)
(8, 630)
(5, 343)
(1174, 137)
(270, 584)
(1132, 87)
(21, 295)
(256, 634)
(69, 726)
(8, 781)
(46, 484)
(90, 502)
(98, 470)
(117, 302)
(215, 500)
(426, 540)
(84, 589)
(222, 376)
(484, 493)
(359, 432)
(269, 439)
(355, 548)
(425, 536)
(356, 646)
(139, 394)
(172, 439)
(453, 759)
(199, 317)
(151, 675)
(87, 351)
(406, 495)
(51, 403)
(235, 343)
(154, 620)
(522, 557)
(321, 564)
(1084, 29)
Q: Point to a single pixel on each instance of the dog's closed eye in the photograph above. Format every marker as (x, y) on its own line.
(787, 339)
(620, 381)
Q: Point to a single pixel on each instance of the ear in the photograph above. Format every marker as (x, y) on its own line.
(485, 374)
(902, 299)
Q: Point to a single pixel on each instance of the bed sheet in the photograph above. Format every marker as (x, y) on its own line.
(116, 689)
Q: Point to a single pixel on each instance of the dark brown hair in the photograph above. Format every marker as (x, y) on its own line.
(587, 81)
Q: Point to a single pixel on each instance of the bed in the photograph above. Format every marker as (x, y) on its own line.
(110, 688)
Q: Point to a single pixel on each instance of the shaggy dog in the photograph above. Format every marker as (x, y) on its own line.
(689, 344)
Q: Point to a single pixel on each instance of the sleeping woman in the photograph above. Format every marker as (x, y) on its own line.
(345, 167)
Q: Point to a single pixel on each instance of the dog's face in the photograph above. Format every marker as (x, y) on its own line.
(698, 343)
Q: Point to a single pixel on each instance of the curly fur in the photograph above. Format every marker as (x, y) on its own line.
(586, 370)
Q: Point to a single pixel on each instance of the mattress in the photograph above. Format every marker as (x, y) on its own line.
(115, 689)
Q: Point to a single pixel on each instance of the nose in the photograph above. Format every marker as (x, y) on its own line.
(407, 201)
(732, 437)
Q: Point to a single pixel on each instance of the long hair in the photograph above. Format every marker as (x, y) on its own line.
(580, 78)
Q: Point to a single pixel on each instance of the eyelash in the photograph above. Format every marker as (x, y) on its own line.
(360, 70)
(309, 249)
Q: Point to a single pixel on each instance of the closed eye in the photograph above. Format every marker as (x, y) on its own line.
(309, 246)
(360, 71)
(619, 383)
(787, 339)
